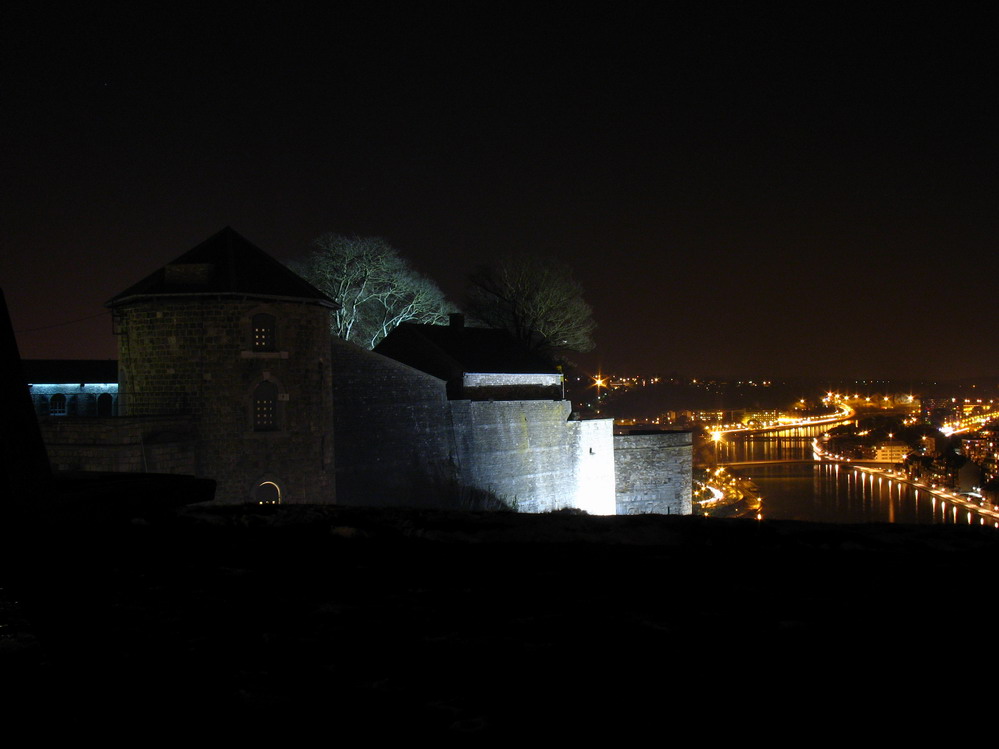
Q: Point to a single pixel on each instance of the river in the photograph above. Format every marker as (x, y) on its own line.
(830, 492)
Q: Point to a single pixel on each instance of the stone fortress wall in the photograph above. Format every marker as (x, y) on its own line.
(157, 444)
(594, 467)
(393, 432)
(401, 441)
(530, 454)
(654, 473)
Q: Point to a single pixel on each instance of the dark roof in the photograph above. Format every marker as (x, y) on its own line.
(449, 351)
(225, 264)
(57, 371)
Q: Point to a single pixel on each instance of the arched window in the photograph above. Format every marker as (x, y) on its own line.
(57, 405)
(264, 338)
(265, 399)
(105, 405)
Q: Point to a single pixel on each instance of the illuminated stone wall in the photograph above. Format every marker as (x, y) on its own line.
(400, 441)
(530, 455)
(81, 399)
(195, 356)
(653, 473)
(594, 468)
(510, 387)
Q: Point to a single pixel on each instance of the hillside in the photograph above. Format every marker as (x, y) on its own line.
(429, 623)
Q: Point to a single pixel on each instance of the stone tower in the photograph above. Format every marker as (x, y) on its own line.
(238, 343)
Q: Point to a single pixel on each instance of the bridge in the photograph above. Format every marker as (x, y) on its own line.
(755, 436)
(845, 415)
(779, 461)
(745, 463)
(773, 434)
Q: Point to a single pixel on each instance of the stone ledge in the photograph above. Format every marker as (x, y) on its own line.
(263, 354)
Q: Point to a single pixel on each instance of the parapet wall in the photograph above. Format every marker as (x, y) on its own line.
(510, 387)
(653, 473)
(130, 445)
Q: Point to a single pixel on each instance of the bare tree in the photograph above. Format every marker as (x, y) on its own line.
(374, 285)
(535, 299)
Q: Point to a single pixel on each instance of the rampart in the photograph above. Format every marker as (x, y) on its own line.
(393, 430)
(533, 457)
(157, 444)
(400, 441)
(653, 473)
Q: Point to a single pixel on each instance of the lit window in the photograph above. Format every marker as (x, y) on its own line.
(57, 405)
(265, 407)
(263, 332)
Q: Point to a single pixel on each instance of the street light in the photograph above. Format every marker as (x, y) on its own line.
(600, 381)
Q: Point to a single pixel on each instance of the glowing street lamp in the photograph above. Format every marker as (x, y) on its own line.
(599, 381)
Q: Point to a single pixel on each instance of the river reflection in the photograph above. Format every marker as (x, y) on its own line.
(788, 444)
(830, 492)
(841, 494)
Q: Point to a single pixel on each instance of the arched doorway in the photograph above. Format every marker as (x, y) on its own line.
(267, 493)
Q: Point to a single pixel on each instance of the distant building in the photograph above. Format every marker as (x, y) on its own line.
(760, 417)
(709, 417)
(968, 476)
(893, 451)
(983, 449)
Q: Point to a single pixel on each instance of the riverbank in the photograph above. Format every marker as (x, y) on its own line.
(432, 623)
(985, 512)
(727, 494)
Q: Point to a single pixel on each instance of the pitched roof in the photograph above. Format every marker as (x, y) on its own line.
(225, 264)
(448, 351)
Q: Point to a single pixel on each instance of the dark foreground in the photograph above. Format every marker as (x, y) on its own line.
(375, 622)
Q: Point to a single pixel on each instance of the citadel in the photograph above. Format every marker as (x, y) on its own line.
(227, 370)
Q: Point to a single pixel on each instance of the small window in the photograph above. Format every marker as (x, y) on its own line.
(263, 332)
(57, 405)
(265, 398)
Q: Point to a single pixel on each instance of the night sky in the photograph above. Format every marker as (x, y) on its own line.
(741, 192)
